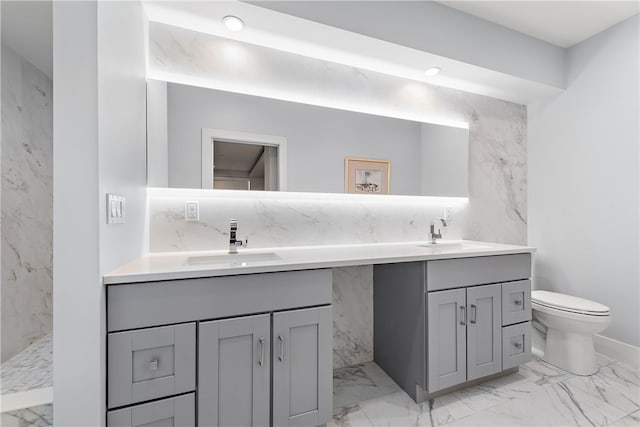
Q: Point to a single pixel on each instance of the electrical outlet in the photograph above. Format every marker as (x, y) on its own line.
(448, 213)
(192, 211)
(116, 209)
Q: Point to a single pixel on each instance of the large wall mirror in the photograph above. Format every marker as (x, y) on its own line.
(206, 138)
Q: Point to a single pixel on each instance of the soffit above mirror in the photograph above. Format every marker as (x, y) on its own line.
(285, 33)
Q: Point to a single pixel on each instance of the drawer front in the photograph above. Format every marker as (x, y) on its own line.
(176, 411)
(516, 345)
(140, 305)
(461, 272)
(516, 302)
(151, 363)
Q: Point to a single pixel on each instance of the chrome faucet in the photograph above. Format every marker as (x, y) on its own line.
(432, 230)
(233, 241)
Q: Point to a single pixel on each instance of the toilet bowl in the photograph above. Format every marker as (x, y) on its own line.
(570, 324)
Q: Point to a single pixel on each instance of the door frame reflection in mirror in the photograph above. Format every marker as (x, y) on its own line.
(209, 136)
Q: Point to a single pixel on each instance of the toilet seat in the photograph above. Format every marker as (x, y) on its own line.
(568, 303)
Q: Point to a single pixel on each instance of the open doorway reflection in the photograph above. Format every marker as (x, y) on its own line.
(244, 166)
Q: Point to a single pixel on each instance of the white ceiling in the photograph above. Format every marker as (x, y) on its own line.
(562, 23)
(27, 29)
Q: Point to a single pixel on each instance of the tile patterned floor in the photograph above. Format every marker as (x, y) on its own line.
(29, 369)
(37, 416)
(539, 395)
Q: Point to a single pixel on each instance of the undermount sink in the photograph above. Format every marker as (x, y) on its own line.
(233, 259)
(453, 246)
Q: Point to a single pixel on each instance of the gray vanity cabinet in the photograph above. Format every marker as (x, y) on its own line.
(302, 367)
(443, 323)
(259, 358)
(234, 372)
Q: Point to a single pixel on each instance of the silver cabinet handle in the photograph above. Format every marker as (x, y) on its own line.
(261, 361)
(153, 365)
(463, 313)
(281, 355)
(474, 314)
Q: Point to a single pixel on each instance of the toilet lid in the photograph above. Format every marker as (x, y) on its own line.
(568, 303)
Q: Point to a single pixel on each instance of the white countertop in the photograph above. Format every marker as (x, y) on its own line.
(188, 265)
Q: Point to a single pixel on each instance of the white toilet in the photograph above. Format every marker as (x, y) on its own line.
(570, 324)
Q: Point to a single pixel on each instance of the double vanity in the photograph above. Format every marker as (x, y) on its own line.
(215, 339)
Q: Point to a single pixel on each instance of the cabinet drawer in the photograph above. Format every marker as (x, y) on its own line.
(516, 345)
(516, 302)
(140, 305)
(150, 363)
(177, 411)
(461, 272)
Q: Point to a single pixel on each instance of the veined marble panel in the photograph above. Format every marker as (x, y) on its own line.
(289, 221)
(352, 315)
(27, 200)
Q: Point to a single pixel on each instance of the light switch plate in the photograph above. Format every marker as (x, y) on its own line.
(116, 209)
(192, 211)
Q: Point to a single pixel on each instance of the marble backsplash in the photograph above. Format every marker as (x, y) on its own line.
(27, 226)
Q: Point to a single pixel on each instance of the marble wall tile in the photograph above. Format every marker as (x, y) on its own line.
(352, 315)
(27, 227)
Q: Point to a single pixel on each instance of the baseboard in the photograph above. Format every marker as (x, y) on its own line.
(26, 399)
(625, 353)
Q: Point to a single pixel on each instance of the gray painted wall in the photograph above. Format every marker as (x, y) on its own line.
(318, 138)
(584, 182)
(27, 225)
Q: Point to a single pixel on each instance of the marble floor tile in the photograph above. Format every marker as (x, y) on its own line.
(38, 416)
(31, 368)
(615, 384)
(350, 416)
(632, 420)
(492, 393)
(554, 405)
(602, 360)
(398, 409)
(360, 382)
(543, 373)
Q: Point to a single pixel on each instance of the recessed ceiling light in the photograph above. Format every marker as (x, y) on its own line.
(233, 23)
(432, 71)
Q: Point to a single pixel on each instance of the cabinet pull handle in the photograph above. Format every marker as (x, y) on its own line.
(281, 355)
(261, 361)
(474, 314)
(463, 313)
(153, 365)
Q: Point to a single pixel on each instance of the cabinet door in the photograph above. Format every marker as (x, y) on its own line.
(233, 372)
(484, 331)
(447, 339)
(302, 367)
